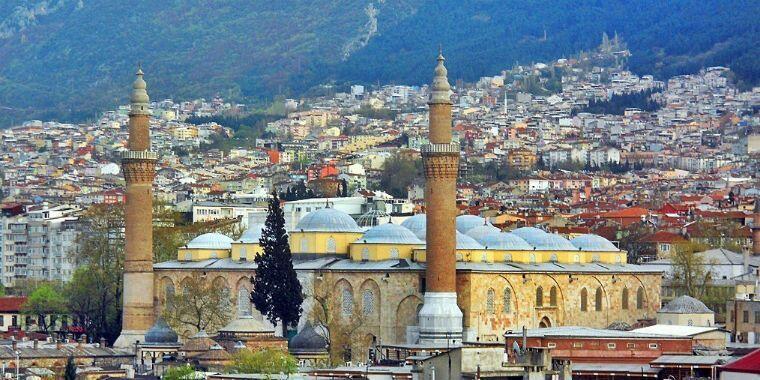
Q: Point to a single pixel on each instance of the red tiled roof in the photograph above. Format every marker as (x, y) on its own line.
(632, 212)
(750, 363)
(11, 304)
(664, 237)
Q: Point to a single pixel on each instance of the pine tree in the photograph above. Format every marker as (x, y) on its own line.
(276, 290)
(70, 372)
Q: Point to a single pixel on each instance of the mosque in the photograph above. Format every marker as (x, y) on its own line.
(436, 278)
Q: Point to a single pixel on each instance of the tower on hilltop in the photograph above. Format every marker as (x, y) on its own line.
(138, 164)
(440, 318)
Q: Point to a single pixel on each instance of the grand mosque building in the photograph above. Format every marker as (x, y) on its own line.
(435, 278)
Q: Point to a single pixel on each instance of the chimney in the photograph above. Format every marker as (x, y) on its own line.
(36, 344)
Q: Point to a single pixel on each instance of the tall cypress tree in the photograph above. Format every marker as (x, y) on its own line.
(70, 372)
(276, 290)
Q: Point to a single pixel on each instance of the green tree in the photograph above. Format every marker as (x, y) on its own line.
(398, 174)
(43, 302)
(70, 372)
(201, 304)
(185, 372)
(632, 242)
(267, 361)
(691, 272)
(276, 291)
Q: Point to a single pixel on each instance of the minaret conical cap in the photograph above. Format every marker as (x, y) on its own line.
(440, 88)
(139, 90)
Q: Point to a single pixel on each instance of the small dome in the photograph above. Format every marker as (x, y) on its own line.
(466, 242)
(246, 324)
(685, 305)
(308, 340)
(468, 222)
(417, 224)
(505, 241)
(591, 242)
(389, 233)
(211, 240)
(252, 234)
(161, 333)
(327, 220)
(529, 234)
(481, 231)
(199, 342)
(553, 242)
(619, 326)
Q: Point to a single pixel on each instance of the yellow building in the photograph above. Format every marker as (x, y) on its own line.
(376, 278)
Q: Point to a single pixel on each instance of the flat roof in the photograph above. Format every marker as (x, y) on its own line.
(588, 332)
(691, 360)
(677, 330)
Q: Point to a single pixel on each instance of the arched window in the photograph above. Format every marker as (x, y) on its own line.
(507, 257)
(304, 245)
(553, 258)
(243, 254)
(365, 254)
(188, 256)
(553, 296)
(584, 299)
(347, 303)
(640, 298)
(214, 255)
(598, 299)
(624, 300)
(595, 258)
(484, 257)
(618, 259)
(490, 300)
(168, 293)
(577, 259)
(459, 257)
(331, 247)
(539, 297)
(394, 253)
(368, 302)
(532, 258)
(507, 307)
(244, 301)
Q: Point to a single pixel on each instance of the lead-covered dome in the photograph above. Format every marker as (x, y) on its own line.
(553, 242)
(481, 231)
(685, 305)
(327, 220)
(308, 340)
(389, 233)
(529, 234)
(592, 242)
(417, 224)
(161, 333)
(466, 242)
(211, 240)
(468, 222)
(505, 241)
(252, 234)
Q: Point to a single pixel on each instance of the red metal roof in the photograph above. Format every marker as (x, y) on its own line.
(11, 304)
(750, 363)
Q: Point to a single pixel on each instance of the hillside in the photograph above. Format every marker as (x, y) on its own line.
(70, 59)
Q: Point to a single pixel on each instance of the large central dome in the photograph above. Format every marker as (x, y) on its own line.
(327, 220)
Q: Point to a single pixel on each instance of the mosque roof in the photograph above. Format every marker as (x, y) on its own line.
(198, 342)
(327, 220)
(529, 233)
(505, 241)
(552, 242)
(308, 340)
(211, 240)
(161, 333)
(468, 222)
(466, 242)
(252, 234)
(417, 224)
(481, 231)
(389, 233)
(685, 305)
(592, 242)
(246, 324)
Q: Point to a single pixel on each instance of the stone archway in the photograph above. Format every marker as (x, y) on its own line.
(545, 323)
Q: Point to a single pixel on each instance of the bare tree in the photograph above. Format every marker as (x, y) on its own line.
(691, 271)
(341, 330)
(200, 304)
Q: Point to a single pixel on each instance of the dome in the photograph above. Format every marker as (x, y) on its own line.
(389, 233)
(468, 222)
(246, 324)
(505, 241)
(252, 234)
(199, 342)
(308, 340)
(417, 224)
(619, 326)
(466, 242)
(591, 242)
(553, 242)
(529, 234)
(481, 231)
(327, 220)
(161, 333)
(685, 305)
(211, 240)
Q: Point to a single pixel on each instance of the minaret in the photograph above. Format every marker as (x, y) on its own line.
(756, 229)
(440, 317)
(138, 164)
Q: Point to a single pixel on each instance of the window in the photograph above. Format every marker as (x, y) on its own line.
(577, 345)
(539, 297)
(490, 300)
(2, 320)
(331, 247)
(745, 316)
(653, 346)
(595, 258)
(584, 299)
(188, 256)
(532, 258)
(365, 254)
(690, 323)
(243, 254)
(551, 345)
(368, 302)
(630, 345)
(553, 296)
(611, 346)
(757, 317)
(577, 259)
(553, 258)
(598, 299)
(347, 303)
(508, 257)
(640, 298)
(304, 245)
(507, 307)
(214, 255)
(244, 301)
(394, 253)
(665, 247)
(624, 300)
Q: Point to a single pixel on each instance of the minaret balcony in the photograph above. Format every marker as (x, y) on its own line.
(138, 155)
(433, 149)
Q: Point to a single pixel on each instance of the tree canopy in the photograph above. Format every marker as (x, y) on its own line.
(267, 361)
(200, 304)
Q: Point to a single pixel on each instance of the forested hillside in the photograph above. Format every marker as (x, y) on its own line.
(70, 59)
